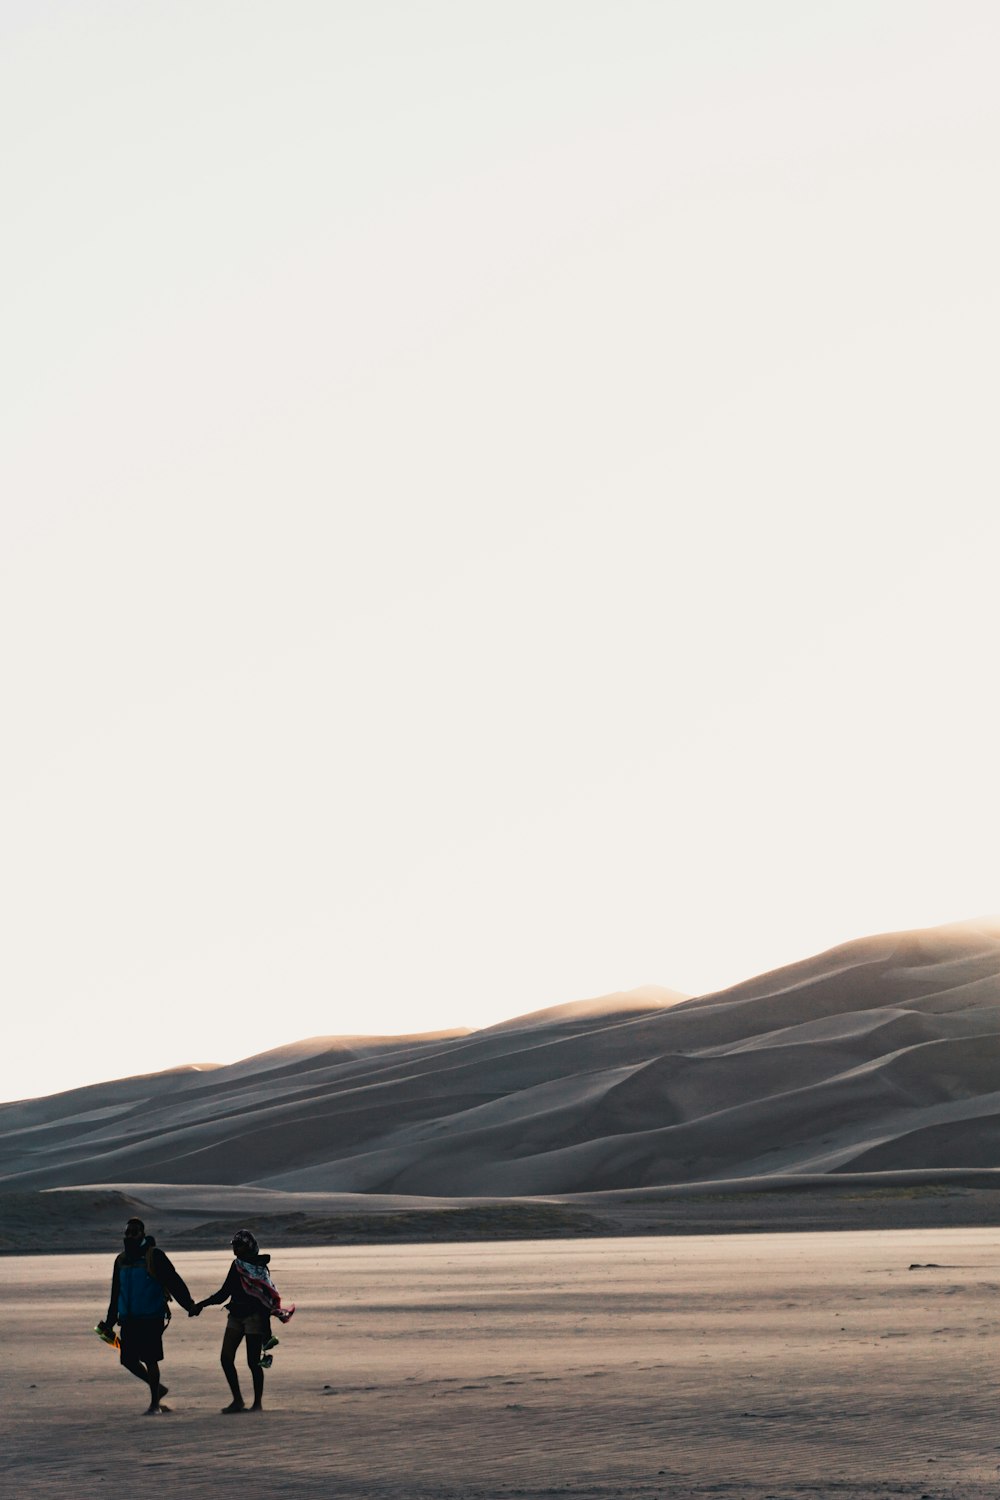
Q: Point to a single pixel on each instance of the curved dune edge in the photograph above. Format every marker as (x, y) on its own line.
(876, 1064)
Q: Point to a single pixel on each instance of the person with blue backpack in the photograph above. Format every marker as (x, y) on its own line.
(142, 1284)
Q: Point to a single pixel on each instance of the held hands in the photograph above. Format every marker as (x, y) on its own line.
(195, 1311)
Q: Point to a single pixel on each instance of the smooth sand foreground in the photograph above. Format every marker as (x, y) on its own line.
(763, 1365)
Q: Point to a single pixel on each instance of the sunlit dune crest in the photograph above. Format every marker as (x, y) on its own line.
(647, 997)
(882, 1055)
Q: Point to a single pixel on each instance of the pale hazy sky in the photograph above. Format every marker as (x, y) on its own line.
(499, 505)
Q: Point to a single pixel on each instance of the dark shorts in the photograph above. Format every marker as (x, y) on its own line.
(142, 1338)
(255, 1324)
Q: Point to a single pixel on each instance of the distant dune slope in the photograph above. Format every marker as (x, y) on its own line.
(883, 1054)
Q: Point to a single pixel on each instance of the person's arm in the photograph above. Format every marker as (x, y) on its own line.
(112, 1314)
(227, 1289)
(168, 1277)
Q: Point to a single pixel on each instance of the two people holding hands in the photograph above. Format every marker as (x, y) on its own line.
(144, 1280)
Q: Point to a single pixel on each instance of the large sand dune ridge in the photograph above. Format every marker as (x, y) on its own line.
(880, 1055)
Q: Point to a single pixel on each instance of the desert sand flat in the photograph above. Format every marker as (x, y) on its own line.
(848, 1365)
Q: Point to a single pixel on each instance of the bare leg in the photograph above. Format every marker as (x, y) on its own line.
(149, 1374)
(254, 1346)
(154, 1385)
(231, 1340)
(137, 1368)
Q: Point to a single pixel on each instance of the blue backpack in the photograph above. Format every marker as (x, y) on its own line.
(140, 1295)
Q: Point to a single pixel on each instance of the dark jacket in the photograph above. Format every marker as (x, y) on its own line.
(241, 1304)
(162, 1270)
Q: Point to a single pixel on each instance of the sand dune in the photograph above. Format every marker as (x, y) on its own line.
(880, 1055)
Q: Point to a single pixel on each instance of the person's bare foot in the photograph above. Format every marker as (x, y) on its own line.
(155, 1411)
(233, 1408)
(257, 1406)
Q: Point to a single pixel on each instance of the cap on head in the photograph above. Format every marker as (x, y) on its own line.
(135, 1229)
(244, 1240)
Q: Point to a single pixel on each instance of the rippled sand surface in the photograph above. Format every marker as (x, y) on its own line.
(763, 1365)
(878, 1057)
